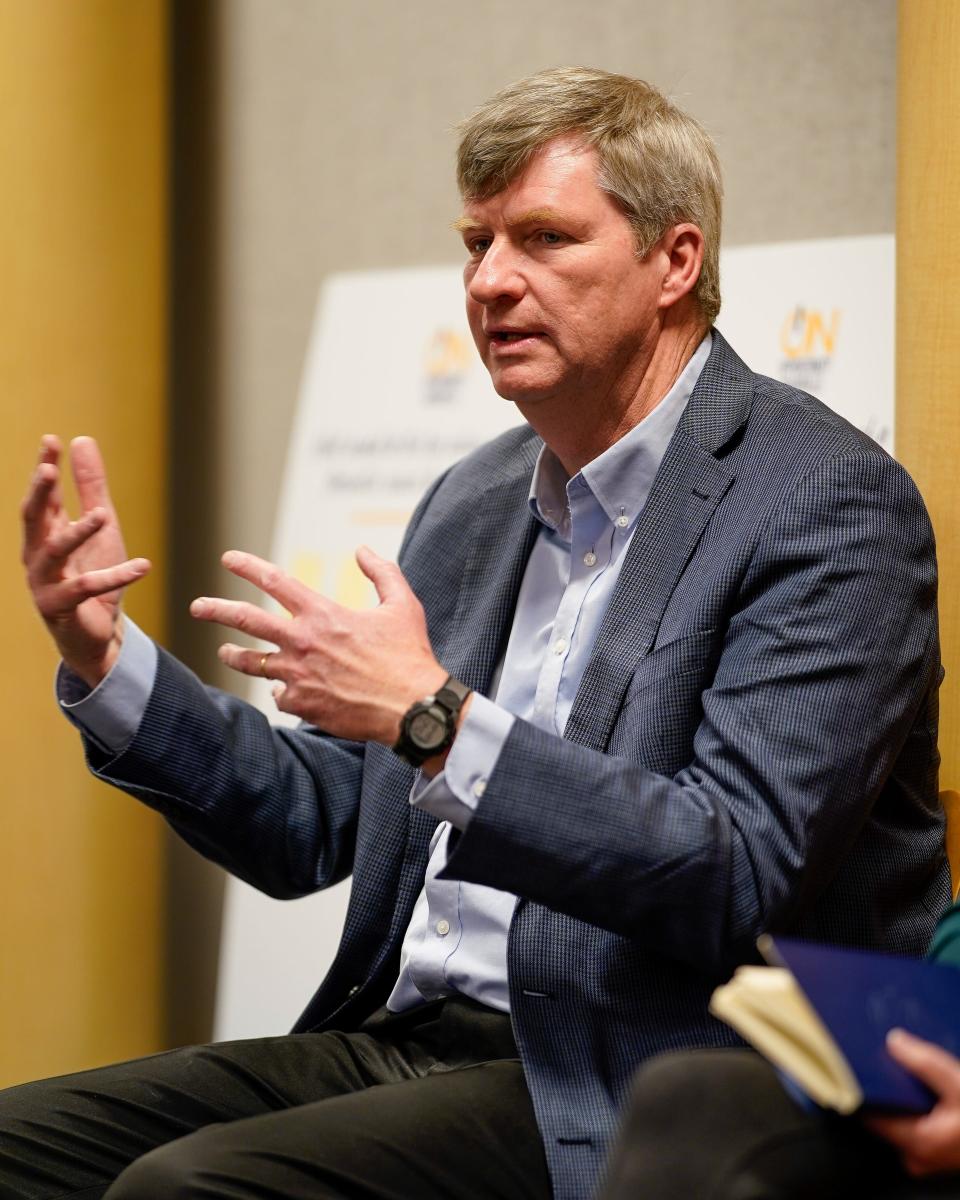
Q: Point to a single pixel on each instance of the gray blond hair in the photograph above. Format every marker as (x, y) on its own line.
(655, 159)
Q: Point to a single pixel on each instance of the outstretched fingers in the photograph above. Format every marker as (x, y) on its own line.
(385, 576)
(50, 451)
(68, 594)
(262, 663)
(269, 578)
(237, 614)
(70, 536)
(89, 473)
(41, 505)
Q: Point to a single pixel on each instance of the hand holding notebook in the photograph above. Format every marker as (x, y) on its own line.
(822, 1015)
(930, 1143)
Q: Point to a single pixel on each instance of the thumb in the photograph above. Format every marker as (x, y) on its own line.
(385, 576)
(936, 1067)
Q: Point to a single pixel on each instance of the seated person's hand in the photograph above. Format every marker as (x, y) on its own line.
(931, 1143)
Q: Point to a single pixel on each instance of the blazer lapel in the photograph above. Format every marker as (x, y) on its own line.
(689, 485)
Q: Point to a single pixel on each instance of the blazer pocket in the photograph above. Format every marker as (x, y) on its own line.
(694, 652)
(662, 708)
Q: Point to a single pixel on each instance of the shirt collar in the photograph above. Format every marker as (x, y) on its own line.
(620, 478)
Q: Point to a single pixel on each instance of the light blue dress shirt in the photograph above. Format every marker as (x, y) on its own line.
(457, 937)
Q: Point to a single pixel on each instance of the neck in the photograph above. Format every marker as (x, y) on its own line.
(578, 431)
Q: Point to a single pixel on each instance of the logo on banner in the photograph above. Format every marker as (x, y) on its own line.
(808, 343)
(448, 358)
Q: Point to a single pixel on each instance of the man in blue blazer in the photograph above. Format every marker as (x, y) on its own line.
(657, 672)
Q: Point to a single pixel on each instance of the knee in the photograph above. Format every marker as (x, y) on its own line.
(172, 1171)
(716, 1123)
(689, 1082)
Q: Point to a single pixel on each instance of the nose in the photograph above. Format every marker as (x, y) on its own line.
(498, 274)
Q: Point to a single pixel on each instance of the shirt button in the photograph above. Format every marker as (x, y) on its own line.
(479, 788)
(589, 559)
(623, 521)
(559, 645)
(443, 928)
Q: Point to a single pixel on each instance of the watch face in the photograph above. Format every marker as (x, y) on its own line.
(426, 729)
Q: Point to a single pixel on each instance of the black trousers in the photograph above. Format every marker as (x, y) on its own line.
(718, 1125)
(417, 1106)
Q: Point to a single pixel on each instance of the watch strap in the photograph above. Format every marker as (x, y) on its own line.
(452, 695)
(449, 699)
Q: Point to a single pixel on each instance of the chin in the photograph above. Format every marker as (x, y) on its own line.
(521, 392)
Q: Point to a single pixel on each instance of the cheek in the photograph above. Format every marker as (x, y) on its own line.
(623, 313)
(475, 321)
(584, 303)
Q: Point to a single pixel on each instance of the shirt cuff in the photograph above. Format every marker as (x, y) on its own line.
(454, 793)
(110, 714)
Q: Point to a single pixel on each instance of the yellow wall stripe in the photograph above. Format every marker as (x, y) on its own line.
(928, 307)
(82, 349)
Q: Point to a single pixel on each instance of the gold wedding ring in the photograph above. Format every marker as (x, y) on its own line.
(263, 665)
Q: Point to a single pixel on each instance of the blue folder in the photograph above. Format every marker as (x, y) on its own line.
(860, 995)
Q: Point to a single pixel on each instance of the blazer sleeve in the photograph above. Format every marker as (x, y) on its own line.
(826, 660)
(276, 807)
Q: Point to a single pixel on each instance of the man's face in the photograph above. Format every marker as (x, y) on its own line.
(559, 305)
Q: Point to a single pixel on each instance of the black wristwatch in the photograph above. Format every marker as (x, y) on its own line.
(428, 726)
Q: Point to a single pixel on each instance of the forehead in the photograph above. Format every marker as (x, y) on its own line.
(563, 173)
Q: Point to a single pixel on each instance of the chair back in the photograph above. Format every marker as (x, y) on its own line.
(951, 806)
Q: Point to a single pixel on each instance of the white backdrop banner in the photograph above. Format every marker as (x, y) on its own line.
(820, 316)
(393, 392)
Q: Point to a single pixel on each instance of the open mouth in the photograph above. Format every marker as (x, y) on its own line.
(505, 336)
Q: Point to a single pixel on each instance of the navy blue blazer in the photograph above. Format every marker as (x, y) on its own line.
(753, 747)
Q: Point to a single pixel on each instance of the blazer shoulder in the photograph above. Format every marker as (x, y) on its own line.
(820, 440)
(509, 453)
(777, 439)
(735, 398)
(504, 462)
(500, 462)
(814, 418)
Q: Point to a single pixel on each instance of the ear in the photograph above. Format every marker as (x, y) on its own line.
(682, 245)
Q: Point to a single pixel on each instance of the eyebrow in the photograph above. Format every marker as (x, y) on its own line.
(532, 217)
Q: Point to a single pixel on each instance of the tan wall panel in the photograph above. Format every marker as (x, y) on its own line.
(82, 310)
(928, 312)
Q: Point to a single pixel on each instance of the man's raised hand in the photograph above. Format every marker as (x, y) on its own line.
(353, 674)
(77, 570)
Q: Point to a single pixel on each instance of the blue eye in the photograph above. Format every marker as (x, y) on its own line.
(550, 238)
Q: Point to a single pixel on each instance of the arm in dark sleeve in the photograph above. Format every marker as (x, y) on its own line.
(277, 807)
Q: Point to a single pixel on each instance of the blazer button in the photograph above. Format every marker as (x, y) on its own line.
(353, 991)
